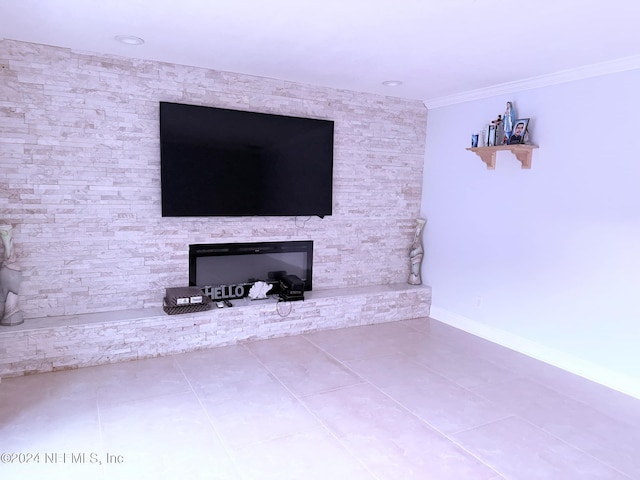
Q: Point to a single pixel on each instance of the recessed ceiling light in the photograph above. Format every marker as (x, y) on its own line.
(129, 39)
(392, 83)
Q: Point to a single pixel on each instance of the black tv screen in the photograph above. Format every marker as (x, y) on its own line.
(220, 162)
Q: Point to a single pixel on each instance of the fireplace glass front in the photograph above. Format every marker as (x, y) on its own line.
(219, 264)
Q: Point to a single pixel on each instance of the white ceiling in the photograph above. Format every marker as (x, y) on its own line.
(437, 48)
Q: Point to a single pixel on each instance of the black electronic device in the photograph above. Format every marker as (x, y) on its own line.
(220, 162)
(291, 288)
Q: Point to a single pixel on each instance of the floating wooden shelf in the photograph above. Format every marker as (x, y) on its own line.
(521, 151)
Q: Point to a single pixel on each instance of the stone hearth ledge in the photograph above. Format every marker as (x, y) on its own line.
(66, 342)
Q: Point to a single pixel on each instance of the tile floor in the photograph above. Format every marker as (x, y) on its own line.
(403, 400)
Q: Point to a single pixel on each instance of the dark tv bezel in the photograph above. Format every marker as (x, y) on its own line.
(282, 211)
(252, 248)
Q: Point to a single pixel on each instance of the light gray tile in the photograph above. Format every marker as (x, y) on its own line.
(369, 341)
(608, 439)
(301, 366)
(164, 436)
(135, 380)
(313, 455)
(519, 450)
(464, 367)
(391, 442)
(441, 403)
(269, 412)
(232, 412)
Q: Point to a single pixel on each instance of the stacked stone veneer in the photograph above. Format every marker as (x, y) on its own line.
(80, 183)
(80, 163)
(50, 344)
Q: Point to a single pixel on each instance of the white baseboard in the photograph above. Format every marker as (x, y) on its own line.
(583, 368)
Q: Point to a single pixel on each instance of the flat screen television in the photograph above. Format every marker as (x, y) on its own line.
(220, 162)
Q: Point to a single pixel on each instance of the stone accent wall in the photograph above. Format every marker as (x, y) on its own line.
(61, 343)
(80, 163)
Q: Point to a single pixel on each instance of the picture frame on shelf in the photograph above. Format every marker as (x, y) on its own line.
(492, 136)
(519, 130)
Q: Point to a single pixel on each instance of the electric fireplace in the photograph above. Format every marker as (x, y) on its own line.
(228, 270)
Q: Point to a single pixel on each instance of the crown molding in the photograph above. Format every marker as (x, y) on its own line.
(563, 76)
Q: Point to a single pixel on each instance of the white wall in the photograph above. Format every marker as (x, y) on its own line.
(545, 260)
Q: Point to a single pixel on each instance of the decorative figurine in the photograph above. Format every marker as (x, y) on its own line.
(509, 120)
(498, 131)
(259, 290)
(10, 280)
(416, 253)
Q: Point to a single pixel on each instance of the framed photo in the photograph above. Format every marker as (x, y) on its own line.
(519, 129)
(492, 136)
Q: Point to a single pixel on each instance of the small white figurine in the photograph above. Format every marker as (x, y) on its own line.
(259, 290)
